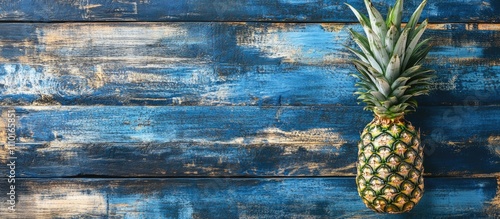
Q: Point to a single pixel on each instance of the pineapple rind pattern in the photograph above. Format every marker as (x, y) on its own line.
(389, 167)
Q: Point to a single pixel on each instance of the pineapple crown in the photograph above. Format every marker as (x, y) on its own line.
(389, 66)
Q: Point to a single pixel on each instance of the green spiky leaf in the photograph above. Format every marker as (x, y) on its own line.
(378, 50)
(416, 16)
(364, 45)
(391, 38)
(412, 45)
(376, 20)
(363, 20)
(400, 47)
(393, 69)
(396, 14)
(390, 73)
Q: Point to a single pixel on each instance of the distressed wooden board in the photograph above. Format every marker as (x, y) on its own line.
(230, 10)
(238, 198)
(260, 64)
(237, 141)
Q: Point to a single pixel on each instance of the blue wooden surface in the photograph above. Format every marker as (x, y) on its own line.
(240, 198)
(230, 10)
(238, 141)
(257, 64)
(238, 98)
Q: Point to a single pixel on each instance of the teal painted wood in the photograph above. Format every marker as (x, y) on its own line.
(237, 141)
(238, 198)
(257, 64)
(228, 10)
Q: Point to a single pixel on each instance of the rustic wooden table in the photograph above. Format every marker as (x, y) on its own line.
(228, 109)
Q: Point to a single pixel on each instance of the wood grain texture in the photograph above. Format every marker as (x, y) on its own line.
(229, 10)
(257, 64)
(230, 89)
(238, 198)
(237, 141)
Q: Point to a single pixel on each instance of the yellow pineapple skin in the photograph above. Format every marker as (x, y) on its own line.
(390, 166)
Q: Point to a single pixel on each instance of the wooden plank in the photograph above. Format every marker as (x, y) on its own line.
(258, 64)
(237, 198)
(228, 10)
(236, 141)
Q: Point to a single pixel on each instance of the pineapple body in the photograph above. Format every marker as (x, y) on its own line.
(390, 76)
(390, 166)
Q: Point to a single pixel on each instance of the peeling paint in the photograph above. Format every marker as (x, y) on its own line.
(303, 138)
(334, 172)
(135, 77)
(18, 79)
(73, 45)
(467, 26)
(219, 96)
(488, 26)
(45, 100)
(4, 151)
(99, 79)
(90, 6)
(226, 10)
(328, 197)
(333, 27)
(487, 175)
(126, 39)
(494, 205)
(445, 86)
(23, 79)
(68, 201)
(262, 64)
(494, 144)
(291, 43)
(312, 139)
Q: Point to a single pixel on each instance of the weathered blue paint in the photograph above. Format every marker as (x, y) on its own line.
(239, 198)
(256, 64)
(228, 10)
(231, 89)
(239, 141)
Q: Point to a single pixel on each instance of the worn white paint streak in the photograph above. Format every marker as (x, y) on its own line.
(77, 44)
(124, 37)
(219, 96)
(445, 86)
(316, 136)
(312, 139)
(65, 152)
(124, 7)
(90, 56)
(186, 212)
(90, 6)
(290, 43)
(61, 201)
(135, 77)
(269, 42)
(23, 79)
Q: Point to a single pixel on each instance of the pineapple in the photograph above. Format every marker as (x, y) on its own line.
(389, 167)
